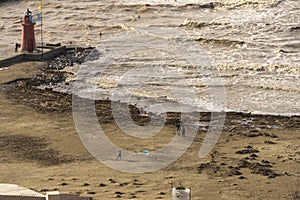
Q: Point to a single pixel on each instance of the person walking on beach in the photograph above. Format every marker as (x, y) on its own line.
(178, 128)
(119, 155)
(182, 130)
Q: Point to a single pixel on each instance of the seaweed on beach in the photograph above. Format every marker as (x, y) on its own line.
(32, 148)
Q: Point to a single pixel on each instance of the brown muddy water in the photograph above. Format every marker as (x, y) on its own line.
(233, 55)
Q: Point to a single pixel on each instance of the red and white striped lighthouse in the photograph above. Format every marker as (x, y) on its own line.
(28, 40)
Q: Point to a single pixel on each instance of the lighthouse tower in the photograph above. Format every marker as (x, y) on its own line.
(28, 40)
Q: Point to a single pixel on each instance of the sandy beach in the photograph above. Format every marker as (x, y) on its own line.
(40, 149)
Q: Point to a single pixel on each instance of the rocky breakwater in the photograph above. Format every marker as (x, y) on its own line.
(53, 71)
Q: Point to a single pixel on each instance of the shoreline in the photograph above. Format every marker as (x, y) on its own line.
(53, 74)
(45, 101)
(22, 88)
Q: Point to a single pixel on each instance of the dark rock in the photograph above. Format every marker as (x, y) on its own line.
(247, 151)
(273, 175)
(270, 135)
(140, 191)
(91, 192)
(288, 174)
(86, 184)
(234, 172)
(120, 193)
(253, 155)
(258, 168)
(111, 180)
(52, 71)
(269, 142)
(102, 185)
(123, 184)
(208, 166)
(135, 183)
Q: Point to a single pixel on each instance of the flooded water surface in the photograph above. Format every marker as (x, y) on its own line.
(234, 55)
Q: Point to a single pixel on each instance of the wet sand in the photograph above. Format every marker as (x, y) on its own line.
(40, 149)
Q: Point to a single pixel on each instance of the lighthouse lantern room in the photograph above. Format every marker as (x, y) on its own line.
(28, 40)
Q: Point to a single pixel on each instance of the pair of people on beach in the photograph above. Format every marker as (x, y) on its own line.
(180, 129)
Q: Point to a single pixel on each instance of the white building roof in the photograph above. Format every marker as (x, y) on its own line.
(12, 189)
